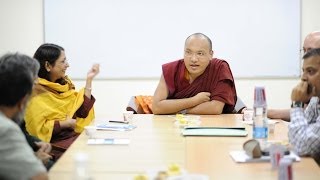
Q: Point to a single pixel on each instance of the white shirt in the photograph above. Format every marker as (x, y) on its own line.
(17, 159)
(304, 129)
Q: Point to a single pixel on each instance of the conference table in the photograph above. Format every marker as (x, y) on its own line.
(157, 142)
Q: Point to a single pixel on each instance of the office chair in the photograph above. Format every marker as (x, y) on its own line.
(140, 104)
(239, 106)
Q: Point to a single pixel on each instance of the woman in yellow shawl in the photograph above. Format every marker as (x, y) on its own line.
(57, 113)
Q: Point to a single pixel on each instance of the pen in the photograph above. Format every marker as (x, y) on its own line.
(124, 122)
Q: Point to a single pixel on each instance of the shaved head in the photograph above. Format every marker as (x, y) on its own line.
(312, 41)
(200, 35)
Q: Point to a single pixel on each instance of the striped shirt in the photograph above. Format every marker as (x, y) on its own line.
(304, 129)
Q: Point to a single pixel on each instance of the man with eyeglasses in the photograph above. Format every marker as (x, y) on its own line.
(312, 41)
(196, 84)
(304, 127)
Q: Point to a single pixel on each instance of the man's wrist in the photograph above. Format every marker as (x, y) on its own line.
(184, 111)
(297, 104)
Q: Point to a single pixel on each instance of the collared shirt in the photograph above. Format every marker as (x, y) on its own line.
(304, 129)
(17, 159)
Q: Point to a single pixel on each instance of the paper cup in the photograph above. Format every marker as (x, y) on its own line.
(248, 115)
(127, 116)
(252, 148)
(90, 131)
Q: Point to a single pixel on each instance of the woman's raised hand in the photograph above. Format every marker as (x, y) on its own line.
(93, 71)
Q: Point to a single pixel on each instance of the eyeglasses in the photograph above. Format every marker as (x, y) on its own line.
(303, 51)
(64, 61)
(198, 54)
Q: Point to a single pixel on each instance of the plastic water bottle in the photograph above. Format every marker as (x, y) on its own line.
(81, 169)
(260, 121)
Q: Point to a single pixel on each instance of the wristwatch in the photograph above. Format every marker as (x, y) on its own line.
(297, 104)
(184, 111)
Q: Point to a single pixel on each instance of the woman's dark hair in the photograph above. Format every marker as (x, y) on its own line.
(48, 53)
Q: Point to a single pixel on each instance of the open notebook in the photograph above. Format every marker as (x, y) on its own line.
(215, 131)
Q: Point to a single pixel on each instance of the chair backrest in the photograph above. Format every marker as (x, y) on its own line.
(140, 104)
(132, 105)
(239, 106)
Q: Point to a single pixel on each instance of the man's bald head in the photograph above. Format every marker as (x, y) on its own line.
(312, 41)
(200, 35)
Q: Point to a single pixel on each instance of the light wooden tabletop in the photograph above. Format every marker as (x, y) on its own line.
(157, 143)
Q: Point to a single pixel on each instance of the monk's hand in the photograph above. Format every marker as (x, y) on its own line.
(93, 71)
(202, 97)
(302, 92)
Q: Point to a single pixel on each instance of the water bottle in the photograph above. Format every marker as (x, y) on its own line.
(81, 170)
(285, 169)
(260, 121)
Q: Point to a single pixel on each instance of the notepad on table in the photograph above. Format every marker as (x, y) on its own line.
(115, 127)
(215, 131)
(108, 141)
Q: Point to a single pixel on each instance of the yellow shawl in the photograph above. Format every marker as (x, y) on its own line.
(52, 102)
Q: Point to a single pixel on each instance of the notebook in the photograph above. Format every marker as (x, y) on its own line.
(215, 131)
(115, 127)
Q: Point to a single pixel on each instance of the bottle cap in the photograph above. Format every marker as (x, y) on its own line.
(259, 96)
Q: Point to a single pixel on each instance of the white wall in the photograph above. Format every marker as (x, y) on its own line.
(21, 26)
(310, 16)
(22, 30)
(161, 43)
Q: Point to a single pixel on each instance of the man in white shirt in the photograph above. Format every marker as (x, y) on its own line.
(17, 159)
(311, 41)
(304, 128)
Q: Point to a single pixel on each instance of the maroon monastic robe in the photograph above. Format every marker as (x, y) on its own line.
(216, 79)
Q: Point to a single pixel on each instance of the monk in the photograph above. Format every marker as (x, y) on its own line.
(196, 84)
